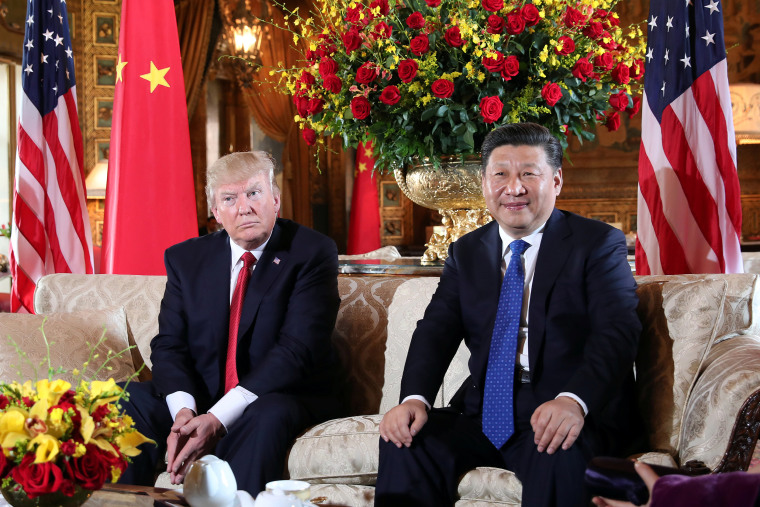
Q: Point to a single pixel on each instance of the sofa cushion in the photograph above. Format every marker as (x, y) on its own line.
(496, 485)
(69, 335)
(341, 451)
(680, 321)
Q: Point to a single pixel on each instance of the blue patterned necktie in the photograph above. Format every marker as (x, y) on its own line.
(498, 417)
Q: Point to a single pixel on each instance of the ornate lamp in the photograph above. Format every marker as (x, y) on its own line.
(243, 30)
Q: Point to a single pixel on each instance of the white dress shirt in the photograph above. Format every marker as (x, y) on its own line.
(529, 258)
(232, 405)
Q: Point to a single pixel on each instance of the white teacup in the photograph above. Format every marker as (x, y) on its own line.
(277, 498)
(299, 489)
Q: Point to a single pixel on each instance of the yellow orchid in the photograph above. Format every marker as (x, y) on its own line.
(45, 448)
(128, 442)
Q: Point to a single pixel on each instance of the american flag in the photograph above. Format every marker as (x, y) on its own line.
(689, 203)
(51, 228)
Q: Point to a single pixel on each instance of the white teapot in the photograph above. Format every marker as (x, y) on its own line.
(210, 483)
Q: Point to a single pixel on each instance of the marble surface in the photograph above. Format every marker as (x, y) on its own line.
(411, 266)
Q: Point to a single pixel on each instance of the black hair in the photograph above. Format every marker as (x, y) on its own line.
(522, 134)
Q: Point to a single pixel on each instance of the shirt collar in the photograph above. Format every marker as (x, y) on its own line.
(533, 238)
(238, 251)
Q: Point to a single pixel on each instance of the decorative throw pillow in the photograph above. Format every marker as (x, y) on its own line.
(68, 335)
(680, 322)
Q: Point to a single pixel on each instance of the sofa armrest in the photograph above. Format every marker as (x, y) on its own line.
(722, 416)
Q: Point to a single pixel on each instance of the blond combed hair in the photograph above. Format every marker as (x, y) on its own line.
(240, 166)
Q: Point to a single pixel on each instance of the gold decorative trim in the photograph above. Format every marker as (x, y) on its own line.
(104, 33)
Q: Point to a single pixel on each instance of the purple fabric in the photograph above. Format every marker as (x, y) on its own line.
(735, 489)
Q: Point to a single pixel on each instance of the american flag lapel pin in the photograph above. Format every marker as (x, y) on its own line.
(276, 260)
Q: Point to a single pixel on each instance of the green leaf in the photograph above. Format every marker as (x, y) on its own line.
(468, 138)
(442, 111)
(428, 113)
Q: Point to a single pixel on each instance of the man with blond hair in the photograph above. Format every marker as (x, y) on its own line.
(242, 359)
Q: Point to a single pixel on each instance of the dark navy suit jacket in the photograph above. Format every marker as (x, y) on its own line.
(583, 330)
(289, 312)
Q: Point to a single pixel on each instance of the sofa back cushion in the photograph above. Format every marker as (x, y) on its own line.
(72, 339)
(680, 320)
(140, 295)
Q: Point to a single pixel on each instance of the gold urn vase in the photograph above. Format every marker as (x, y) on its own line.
(454, 190)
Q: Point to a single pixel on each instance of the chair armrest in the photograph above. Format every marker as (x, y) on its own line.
(722, 415)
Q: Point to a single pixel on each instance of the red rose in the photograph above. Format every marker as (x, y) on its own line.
(613, 121)
(407, 69)
(332, 84)
(551, 93)
(583, 69)
(510, 68)
(326, 43)
(574, 17)
(307, 78)
(360, 107)
(494, 63)
(495, 24)
(566, 46)
(309, 136)
(91, 470)
(490, 109)
(359, 16)
(68, 447)
(442, 88)
(607, 42)
(419, 45)
(415, 21)
(3, 401)
(327, 67)
(383, 30)
(390, 95)
(433, 3)
(453, 37)
(634, 108)
(351, 40)
(515, 23)
(37, 479)
(67, 488)
(383, 4)
(619, 101)
(620, 74)
(493, 5)
(315, 106)
(637, 69)
(530, 14)
(367, 73)
(593, 30)
(302, 106)
(604, 61)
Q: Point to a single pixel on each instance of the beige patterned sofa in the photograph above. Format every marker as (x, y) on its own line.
(698, 370)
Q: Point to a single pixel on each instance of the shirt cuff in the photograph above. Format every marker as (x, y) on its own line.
(178, 400)
(417, 397)
(232, 405)
(576, 398)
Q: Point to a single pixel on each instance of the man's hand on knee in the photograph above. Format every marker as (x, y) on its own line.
(403, 422)
(175, 442)
(199, 436)
(557, 423)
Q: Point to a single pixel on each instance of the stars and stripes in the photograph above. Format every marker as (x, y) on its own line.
(51, 228)
(689, 205)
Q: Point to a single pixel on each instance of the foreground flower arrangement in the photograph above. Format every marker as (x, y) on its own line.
(431, 78)
(59, 438)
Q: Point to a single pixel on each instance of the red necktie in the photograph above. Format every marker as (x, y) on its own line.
(236, 309)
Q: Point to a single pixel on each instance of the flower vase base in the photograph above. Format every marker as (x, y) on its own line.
(16, 496)
(457, 222)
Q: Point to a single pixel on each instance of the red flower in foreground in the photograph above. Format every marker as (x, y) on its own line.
(433, 3)
(442, 88)
(91, 470)
(37, 479)
(495, 24)
(419, 45)
(493, 5)
(407, 70)
(511, 67)
(620, 74)
(352, 40)
(619, 101)
(634, 108)
(360, 107)
(604, 61)
(491, 108)
(566, 46)
(390, 95)
(415, 21)
(574, 17)
(530, 14)
(613, 121)
(309, 136)
(453, 37)
(332, 84)
(494, 63)
(515, 23)
(367, 73)
(583, 69)
(551, 93)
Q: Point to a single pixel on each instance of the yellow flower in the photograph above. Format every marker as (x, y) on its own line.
(80, 450)
(47, 448)
(12, 427)
(128, 442)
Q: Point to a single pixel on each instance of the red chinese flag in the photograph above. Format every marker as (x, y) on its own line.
(364, 225)
(150, 195)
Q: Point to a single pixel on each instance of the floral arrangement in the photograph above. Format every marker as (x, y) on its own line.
(62, 438)
(433, 77)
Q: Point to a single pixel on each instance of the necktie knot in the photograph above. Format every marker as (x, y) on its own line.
(518, 246)
(248, 260)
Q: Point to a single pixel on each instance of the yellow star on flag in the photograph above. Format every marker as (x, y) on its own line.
(156, 77)
(368, 152)
(120, 67)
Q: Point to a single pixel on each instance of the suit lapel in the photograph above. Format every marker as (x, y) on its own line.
(216, 286)
(554, 251)
(491, 288)
(268, 267)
